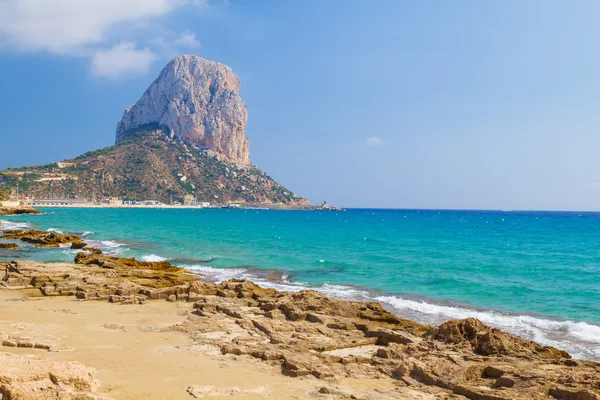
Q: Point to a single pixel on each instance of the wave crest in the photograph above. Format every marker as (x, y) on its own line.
(6, 225)
(581, 339)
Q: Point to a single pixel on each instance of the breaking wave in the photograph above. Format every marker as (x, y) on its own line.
(153, 258)
(6, 225)
(580, 339)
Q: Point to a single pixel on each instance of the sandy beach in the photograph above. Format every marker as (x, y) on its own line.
(133, 357)
(105, 327)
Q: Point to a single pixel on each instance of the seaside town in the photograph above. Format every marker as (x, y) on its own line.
(189, 201)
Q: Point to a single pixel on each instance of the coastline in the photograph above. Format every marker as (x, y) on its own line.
(278, 207)
(580, 337)
(103, 311)
(131, 355)
(427, 310)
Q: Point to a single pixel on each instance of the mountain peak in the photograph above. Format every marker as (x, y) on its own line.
(196, 101)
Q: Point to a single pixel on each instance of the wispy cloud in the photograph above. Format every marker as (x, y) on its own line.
(188, 39)
(373, 141)
(97, 29)
(122, 60)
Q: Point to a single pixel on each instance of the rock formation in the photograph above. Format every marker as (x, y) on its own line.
(310, 334)
(153, 166)
(43, 239)
(307, 333)
(18, 210)
(196, 101)
(34, 378)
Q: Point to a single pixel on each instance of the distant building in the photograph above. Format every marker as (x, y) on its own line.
(55, 202)
(189, 200)
(203, 204)
(112, 201)
(152, 203)
(63, 164)
(232, 205)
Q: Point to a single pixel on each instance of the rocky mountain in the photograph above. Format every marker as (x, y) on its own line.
(151, 165)
(185, 136)
(196, 101)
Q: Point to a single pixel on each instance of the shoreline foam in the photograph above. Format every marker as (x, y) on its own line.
(338, 347)
(580, 338)
(584, 343)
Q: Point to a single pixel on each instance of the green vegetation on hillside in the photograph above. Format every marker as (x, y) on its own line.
(149, 165)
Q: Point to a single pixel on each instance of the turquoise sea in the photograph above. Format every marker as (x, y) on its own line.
(535, 274)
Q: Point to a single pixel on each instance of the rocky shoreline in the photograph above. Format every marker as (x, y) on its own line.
(324, 344)
(18, 210)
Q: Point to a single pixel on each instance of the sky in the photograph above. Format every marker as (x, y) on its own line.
(403, 104)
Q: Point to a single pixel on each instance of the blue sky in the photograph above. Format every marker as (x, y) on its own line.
(463, 104)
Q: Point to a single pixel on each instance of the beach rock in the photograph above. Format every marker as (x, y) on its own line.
(98, 277)
(196, 101)
(18, 210)
(307, 333)
(202, 391)
(92, 250)
(159, 279)
(78, 245)
(43, 239)
(8, 246)
(34, 378)
(489, 341)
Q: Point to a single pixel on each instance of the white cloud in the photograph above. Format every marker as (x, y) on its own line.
(374, 141)
(122, 59)
(188, 39)
(64, 26)
(90, 27)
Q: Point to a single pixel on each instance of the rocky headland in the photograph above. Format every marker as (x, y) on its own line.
(319, 346)
(184, 138)
(197, 101)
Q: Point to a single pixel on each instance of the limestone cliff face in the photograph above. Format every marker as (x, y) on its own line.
(198, 101)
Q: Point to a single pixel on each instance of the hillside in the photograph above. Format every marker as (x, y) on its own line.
(150, 165)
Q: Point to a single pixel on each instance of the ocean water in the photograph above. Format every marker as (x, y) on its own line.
(535, 274)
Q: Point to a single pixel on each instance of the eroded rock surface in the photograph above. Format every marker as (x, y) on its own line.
(100, 277)
(18, 210)
(197, 101)
(307, 334)
(35, 378)
(44, 239)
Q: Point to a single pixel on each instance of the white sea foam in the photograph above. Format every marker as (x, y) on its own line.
(219, 275)
(104, 244)
(153, 258)
(87, 233)
(6, 225)
(110, 247)
(54, 230)
(580, 339)
(344, 292)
